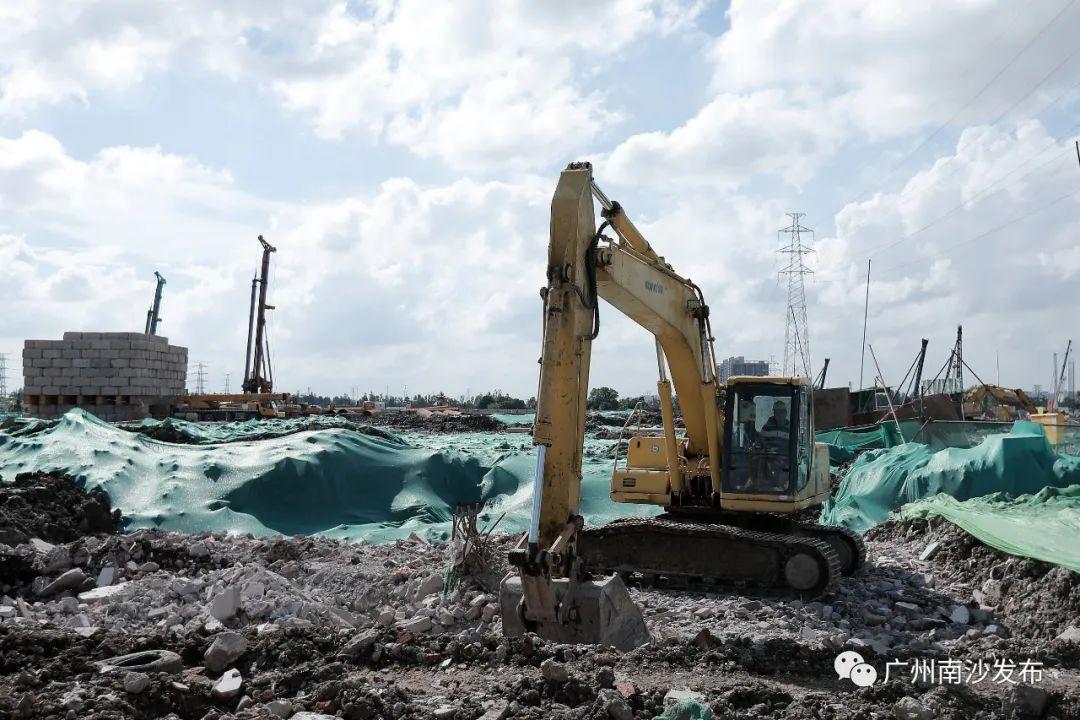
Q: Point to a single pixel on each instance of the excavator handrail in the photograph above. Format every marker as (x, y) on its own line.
(638, 412)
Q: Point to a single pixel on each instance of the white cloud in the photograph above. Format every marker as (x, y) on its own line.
(734, 139)
(476, 84)
(898, 65)
(438, 280)
(995, 251)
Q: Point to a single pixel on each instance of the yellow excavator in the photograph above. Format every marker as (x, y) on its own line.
(730, 485)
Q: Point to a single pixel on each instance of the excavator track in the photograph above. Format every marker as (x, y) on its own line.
(686, 551)
(847, 543)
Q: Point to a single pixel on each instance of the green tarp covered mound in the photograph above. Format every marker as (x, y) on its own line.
(332, 481)
(1044, 526)
(879, 481)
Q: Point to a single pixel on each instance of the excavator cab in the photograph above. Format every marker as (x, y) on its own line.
(771, 462)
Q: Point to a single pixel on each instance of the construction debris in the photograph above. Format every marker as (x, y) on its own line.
(314, 627)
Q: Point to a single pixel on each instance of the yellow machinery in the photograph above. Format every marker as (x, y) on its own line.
(730, 484)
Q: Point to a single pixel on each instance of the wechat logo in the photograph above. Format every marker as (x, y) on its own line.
(850, 664)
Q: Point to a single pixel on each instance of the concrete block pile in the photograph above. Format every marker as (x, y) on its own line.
(116, 376)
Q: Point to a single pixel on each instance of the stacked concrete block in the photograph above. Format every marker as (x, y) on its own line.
(116, 376)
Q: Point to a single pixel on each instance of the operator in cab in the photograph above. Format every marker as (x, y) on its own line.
(777, 429)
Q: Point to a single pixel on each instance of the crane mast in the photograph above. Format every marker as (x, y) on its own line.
(153, 314)
(258, 375)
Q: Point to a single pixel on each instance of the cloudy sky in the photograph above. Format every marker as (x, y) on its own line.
(401, 155)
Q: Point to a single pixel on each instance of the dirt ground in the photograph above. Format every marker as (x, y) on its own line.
(273, 627)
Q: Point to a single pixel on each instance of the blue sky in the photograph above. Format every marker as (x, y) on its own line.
(402, 159)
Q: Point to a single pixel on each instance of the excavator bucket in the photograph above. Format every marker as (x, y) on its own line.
(602, 613)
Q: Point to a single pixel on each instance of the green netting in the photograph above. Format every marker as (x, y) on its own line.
(1044, 526)
(880, 481)
(333, 481)
(845, 443)
(511, 419)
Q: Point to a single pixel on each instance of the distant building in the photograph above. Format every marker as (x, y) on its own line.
(739, 366)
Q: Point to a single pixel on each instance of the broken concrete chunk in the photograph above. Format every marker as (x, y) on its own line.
(430, 585)
(930, 550)
(360, 643)
(226, 648)
(103, 593)
(226, 604)
(41, 546)
(674, 695)
(416, 625)
(1071, 634)
(87, 631)
(553, 671)
(68, 581)
(960, 615)
(615, 705)
(198, 549)
(136, 682)
(228, 686)
(279, 708)
(106, 576)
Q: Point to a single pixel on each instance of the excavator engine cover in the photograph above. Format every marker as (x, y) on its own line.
(602, 614)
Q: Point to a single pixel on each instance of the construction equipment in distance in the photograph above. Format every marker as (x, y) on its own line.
(259, 375)
(153, 316)
(730, 484)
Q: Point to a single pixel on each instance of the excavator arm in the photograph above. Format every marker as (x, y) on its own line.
(548, 593)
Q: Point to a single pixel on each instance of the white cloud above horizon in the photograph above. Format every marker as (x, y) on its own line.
(426, 273)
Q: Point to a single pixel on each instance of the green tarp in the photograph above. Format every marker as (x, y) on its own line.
(1044, 526)
(332, 481)
(879, 481)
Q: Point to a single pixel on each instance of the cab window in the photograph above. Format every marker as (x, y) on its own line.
(759, 457)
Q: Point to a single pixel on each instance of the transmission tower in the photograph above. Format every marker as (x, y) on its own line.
(200, 378)
(227, 376)
(3, 377)
(796, 332)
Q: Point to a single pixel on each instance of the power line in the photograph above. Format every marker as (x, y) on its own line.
(977, 198)
(995, 229)
(967, 104)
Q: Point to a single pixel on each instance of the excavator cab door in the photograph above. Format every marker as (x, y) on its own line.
(767, 436)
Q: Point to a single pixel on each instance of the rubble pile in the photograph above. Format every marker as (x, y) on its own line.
(52, 508)
(181, 432)
(1036, 599)
(437, 422)
(154, 624)
(180, 584)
